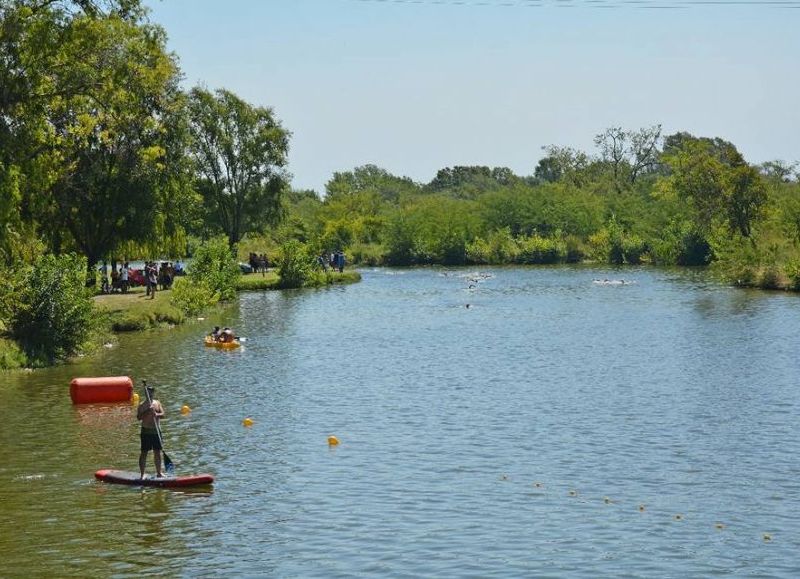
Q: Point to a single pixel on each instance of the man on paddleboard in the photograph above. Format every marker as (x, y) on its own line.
(149, 412)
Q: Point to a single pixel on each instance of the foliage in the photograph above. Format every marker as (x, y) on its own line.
(297, 266)
(11, 355)
(215, 269)
(192, 297)
(239, 153)
(256, 281)
(51, 315)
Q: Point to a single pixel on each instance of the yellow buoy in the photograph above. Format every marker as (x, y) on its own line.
(333, 441)
(247, 421)
(135, 398)
(185, 409)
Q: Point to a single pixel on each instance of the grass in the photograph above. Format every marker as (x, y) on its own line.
(135, 311)
(257, 281)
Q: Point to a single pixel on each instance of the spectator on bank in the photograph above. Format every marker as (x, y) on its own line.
(123, 278)
(153, 280)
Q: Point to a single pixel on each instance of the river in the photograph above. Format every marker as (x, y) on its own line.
(559, 426)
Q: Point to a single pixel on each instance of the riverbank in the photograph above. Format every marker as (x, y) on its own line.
(134, 311)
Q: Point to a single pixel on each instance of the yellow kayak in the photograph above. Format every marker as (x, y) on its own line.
(211, 342)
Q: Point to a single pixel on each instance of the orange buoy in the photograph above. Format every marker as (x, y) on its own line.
(101, 389)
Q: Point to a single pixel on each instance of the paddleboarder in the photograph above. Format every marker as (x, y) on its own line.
(150, 412)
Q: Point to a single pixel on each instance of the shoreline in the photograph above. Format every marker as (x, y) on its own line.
(135, 312)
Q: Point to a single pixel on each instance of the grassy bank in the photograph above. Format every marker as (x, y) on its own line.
(270, 280)
(134, 311)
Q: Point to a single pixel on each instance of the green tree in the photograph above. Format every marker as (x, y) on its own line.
(721, 187)
(240, 152)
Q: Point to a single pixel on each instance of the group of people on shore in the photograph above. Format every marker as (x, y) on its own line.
(153, 275)
(258, 263)
(335, 261)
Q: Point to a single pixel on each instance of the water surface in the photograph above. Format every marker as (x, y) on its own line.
(670, 391)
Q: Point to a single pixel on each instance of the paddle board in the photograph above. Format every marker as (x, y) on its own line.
(125, 477)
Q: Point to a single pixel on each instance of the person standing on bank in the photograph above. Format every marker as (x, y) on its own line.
(150, 412)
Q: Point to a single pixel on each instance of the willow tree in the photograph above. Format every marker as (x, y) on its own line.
(86, 110)
(240, 152)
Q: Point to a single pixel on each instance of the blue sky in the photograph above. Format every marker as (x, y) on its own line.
(414, 86)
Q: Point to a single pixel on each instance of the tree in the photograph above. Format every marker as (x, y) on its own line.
(239, 153)
(613, 145)
(111, 139)
(629, 153)
(563, 163)
(721, 187)
(87, 88)
(369, 178)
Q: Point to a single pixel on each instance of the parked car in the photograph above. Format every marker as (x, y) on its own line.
(245, 267)
(136, 277)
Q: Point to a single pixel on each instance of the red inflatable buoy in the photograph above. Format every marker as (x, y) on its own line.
(103, 389)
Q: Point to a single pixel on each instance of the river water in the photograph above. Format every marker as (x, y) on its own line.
(559, 426)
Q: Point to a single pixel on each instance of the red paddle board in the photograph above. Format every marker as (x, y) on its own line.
(125, 477)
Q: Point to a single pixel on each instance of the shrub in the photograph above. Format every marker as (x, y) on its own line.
(52, 314)
(11, 356)
(771, 278)
(792, 271)
(499, 248)
(214, 267)
(542, 250)
(296, 266)
(370, 254)
(633, 248)
(192, 297)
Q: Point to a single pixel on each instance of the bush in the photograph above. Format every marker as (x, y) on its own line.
(370, 254)
(792, 272)
(214, 267)
(542, 250)
(296, 266)
(11, 356)
(52, 314)
(771, 278)
(499, 247)
(192, 297)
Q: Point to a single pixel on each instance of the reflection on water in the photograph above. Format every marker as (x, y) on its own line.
(670, 392)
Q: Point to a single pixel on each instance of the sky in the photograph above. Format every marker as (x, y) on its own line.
(414, 86)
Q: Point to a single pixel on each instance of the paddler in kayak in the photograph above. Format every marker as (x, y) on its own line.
(226, 336)
(149, 412)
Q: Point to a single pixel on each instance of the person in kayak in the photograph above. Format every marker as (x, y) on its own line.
(215, 333)
(150, 412)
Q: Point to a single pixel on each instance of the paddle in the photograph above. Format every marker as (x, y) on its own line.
(169, 466)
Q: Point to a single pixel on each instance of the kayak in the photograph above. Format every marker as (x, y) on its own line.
(126, 477)
(209, 341)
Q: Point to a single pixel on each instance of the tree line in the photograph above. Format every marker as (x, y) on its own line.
(639, 197)
(102, 153)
